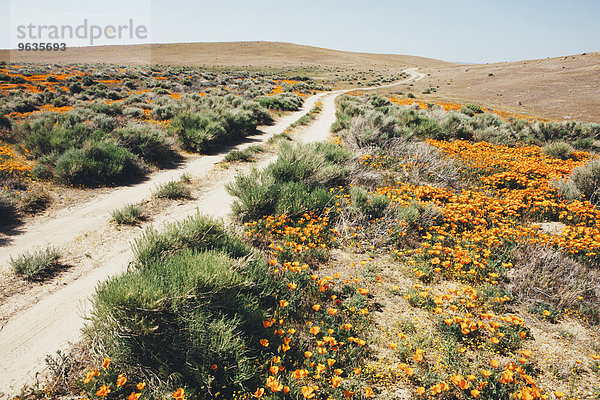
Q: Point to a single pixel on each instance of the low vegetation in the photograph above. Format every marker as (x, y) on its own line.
(422, 253)
(216, 122)
(36, 265)
(246, 155)
(173, 190)
(99, 125)
(281, 102)
(131, 214)
(297, 181)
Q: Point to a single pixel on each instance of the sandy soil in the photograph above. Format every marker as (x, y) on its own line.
(40, 319)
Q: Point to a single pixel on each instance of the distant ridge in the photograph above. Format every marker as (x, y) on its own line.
(255, 54)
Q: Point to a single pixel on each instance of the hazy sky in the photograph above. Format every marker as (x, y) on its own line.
(459, 30)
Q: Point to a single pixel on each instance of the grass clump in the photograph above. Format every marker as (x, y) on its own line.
(37, 264)
(128, 215)
(173, 190)
(560, 150)
(197, 233)
(245, 155)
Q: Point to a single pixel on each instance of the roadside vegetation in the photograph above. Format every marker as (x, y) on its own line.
(88, 126)
(246, 155)
(36, 265)
(131, 214)
(421, 253)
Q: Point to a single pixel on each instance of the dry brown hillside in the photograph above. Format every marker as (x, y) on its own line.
(557, 88)
(254, 54)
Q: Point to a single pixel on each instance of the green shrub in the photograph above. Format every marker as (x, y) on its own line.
(179, 316)
(173, 190)
(162, 113)
(216, 121)
(128, 215)
(467, 111)
(297, 182)
(198, 233)
(47, 135)
(104, 123)
(98, 163)
(201, 133)
(474, 108)
(245, 155)
(133, 112)
(414, 220)
(586, 179)
(112, 110)
(282, 102)
(560, 150)
(454, 127)
(37, 264)
(370, 206)
(146, 142)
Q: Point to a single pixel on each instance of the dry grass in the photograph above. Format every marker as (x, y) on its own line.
(554, 88)
(547, 276)
(239, 54)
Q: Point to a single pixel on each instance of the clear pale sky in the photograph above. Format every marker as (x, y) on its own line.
(459, 30)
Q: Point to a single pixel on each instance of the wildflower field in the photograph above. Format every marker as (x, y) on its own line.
(422, 253)
(89, 126)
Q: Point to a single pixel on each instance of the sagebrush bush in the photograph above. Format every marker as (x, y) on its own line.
(582, 183)
(198, 233)
(98, 163)
(128, 215)
(184, 313)
(217, 121)
(36, 264)
(560, 150)
(474, 107)
(146, 142)
(133, 112)
(46, 135)
(297, 182)
(587, 180)
(200, 132)
(173, 190)
(281, 101)
(366, 205)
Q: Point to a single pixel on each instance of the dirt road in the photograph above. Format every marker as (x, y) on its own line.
(56, 319)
